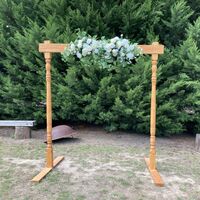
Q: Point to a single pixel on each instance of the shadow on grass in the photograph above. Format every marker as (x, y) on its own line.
(67, 140)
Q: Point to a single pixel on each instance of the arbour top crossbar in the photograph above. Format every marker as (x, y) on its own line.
(155, 48)
(48, 48)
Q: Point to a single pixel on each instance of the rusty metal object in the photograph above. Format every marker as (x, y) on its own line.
(62, 131)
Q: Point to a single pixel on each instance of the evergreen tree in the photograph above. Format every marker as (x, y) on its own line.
(174, 22)
(119, 99)
(193, 31)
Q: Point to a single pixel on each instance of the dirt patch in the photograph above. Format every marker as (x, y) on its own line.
(37, 164)
(100, 166)
(69, 166)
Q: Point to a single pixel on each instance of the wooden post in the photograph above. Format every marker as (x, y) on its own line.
(152, 155)
(50, 163)
(151, 162)
(49, 150)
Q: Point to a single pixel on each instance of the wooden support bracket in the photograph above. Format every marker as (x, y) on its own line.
(157, 179)
(46, 170)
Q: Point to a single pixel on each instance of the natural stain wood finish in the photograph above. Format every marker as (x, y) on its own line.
(57, 160)
(46, 170)
(49, 150)
(152, 155)
(41, 175)
(48, 47)
(154, 50)
(154, 174)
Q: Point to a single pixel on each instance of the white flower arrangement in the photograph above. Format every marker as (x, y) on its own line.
(108, 51)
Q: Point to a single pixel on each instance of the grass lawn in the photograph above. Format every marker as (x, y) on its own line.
(100, 166)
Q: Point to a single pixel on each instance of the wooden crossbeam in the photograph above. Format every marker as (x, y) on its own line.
(51, 48)
(59, 48)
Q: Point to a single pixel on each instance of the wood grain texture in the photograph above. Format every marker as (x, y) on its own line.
(152, 155)
(59, 48)
(155, 48)
(49, 149)
(58, 160)
(157, 179)
(41, 175)
(52, 48)
(46, 170)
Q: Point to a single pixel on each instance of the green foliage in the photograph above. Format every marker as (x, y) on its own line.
(172, 29)
(193, 31)
(120, 98)
(97, 96)
(179, 89)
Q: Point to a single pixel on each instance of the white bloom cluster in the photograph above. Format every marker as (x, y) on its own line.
(115, 49)
(83, 47)
(122, 50)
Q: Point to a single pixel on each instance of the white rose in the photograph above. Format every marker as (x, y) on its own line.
(114, 52)
(108, 47)
(125, 43)
(85, 45)
(112, 45)
(119, 44)
(79, 45)
(89, 52)
(122, 54)
(84, 52)
(130, 56)
(96, 51)
(113, 40)
(131, 47)
(72, 47)
(89, 41)
(78, 55)
(94, 44)
(89, 48)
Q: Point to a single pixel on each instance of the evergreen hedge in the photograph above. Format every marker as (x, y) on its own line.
(119, 99)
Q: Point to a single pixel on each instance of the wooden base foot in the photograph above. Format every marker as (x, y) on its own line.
(46, 170)
(57, 160)
(154, 174)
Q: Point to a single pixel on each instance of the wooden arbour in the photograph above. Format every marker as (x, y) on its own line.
(48, 48)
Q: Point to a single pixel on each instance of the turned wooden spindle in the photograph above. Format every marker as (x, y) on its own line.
(50, 163)
(49, 149)
(152, 156)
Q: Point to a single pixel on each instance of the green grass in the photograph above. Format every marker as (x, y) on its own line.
(6, 181)
(100, 172)
(65, 196)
